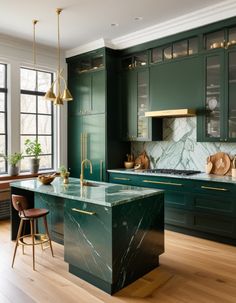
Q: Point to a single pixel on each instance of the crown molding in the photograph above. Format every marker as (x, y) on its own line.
(224, 10)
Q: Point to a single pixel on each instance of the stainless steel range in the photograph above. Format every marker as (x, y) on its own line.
(172, 171)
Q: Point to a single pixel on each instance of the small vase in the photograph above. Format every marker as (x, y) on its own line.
(13, 170)
(65, 177)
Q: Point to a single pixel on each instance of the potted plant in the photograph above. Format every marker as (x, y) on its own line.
(33, 148)
(13, 160)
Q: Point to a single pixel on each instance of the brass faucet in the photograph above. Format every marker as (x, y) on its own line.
(82, 170)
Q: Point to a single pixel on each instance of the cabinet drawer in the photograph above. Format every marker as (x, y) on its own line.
(178, 199)
(215, 188)
(215, 204)
(177, 217)
(88, 237)
(218, 225)
(122, 179)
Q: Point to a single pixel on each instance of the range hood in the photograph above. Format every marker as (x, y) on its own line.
(183, 112)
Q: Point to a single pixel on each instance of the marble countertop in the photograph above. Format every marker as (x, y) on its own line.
(105, 194)
(200, 176)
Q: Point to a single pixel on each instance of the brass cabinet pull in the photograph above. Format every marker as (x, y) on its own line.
(214, 188)
(160, 182)
(90, 213)
(119, 178)
(101, 169)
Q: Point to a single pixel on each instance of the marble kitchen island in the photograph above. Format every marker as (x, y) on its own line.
(112, 234)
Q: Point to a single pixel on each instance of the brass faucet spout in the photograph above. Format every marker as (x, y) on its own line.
(82, 170)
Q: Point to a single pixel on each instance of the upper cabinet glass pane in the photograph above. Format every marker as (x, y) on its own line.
(126, 63)
(214, 40)
(167, 52)
(140, 59)
(193, 46)
(143, 104)
(156, 55)
(97, 61)
(89, 62)
(232, 36)
(180, 49)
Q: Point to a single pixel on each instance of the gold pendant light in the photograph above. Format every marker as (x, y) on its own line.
(64, 95)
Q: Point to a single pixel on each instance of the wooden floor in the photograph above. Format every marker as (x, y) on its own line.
(192, 270)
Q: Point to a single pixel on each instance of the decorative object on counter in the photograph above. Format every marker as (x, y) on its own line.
(220, 163)
(130, 161)
(33, 148)
(46, 179)
(233, 170)
(12, 161)
(64, 173)
(64, 95)
(209, 165)
(142, 161)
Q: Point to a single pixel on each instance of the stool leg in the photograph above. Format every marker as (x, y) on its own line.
(46, 228)
(17, 241)
(32, 236)
(23, 246)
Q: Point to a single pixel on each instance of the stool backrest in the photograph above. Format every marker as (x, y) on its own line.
(20, 203)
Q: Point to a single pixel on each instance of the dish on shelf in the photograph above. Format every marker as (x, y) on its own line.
(220, 163)
(212, 103)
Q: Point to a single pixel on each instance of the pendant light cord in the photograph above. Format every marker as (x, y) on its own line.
(34, 43)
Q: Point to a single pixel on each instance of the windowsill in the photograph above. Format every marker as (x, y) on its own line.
(6, 179)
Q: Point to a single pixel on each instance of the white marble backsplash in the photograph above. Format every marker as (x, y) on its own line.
(179, 148)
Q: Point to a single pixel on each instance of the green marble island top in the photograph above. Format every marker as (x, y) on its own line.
(106, 194)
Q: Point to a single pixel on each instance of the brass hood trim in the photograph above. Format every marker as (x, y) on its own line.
(172, 113)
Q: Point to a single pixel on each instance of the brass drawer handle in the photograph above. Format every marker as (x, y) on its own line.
(119, 178)
(90, 213)
(160, 182)
(214, 188)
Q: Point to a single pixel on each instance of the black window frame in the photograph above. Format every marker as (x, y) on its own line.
(37, 94)
(5, 91)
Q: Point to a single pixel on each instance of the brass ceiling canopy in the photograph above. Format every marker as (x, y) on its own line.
(184, 112)
(64, 95)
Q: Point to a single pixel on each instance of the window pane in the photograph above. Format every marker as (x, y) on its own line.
(2, 145)
(44, 106)
(44, 124)
(2, 75)
(28, 103)
(45, 162)
(28, 124)
(28, 79)
(22, 142)
(46, 144)
(25, 164)
(2, 123)
(2, 101)
(44, 81)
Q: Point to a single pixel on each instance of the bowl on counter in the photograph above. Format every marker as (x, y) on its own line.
(129, 164)
(46, 179)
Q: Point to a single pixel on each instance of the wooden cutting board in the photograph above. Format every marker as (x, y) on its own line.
(142, 161)
(220, 163)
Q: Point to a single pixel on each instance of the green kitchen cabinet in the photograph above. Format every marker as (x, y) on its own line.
(177, 84)
(88, 135)
(219, 121)
(134, 94)
(55, 218)
(202, 208)
(88, 93)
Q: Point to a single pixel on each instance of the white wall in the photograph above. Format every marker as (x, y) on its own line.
(17, 53)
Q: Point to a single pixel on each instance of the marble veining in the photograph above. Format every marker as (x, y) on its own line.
(106, 194)
(179, 148)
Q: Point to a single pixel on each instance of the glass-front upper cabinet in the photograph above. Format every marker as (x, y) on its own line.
(224, 38)
(232, 95)
(136, 60)
(142, 104)
(213, 96)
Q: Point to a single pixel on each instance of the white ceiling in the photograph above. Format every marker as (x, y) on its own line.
(83, 21)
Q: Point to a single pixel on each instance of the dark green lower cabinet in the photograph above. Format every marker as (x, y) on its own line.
(204, 209)
(112, 247)
(55, 218)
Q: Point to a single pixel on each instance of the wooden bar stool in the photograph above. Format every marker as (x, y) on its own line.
(31, 215)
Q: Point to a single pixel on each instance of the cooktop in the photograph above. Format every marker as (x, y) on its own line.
(172, 171)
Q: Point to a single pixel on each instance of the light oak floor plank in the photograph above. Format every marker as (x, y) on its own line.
(192, 270)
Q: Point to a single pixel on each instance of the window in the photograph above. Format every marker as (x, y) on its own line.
(3, 116)
(36, 115)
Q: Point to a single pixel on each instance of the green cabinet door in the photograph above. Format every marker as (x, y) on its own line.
(94, 128)
(177, 84)
(98, 91)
